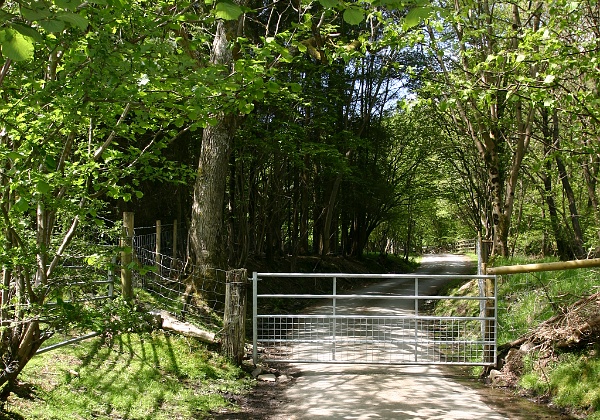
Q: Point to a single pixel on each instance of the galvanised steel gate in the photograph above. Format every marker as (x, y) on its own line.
(385, 324)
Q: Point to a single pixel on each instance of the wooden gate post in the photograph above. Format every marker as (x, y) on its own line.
(127, 255)
(234, 319)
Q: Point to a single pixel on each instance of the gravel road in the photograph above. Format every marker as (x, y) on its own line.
(321, 391)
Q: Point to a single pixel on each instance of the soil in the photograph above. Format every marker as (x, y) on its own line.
(263, 399)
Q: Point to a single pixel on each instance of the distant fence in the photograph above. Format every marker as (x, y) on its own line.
(466, 245)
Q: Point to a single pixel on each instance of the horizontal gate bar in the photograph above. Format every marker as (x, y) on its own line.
(371, 317)
(374, 276)
(386, 297)
(392, 363)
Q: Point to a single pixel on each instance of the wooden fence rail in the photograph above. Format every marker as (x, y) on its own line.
(553, 266)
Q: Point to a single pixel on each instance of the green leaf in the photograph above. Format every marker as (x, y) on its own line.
(14, 155)
(353, 15)
(227, 11)
(74, 19)
(246, 108)
(415, 17)
(520, 58)
(43, 187)
(21, 205)
(68, 4)
(52, 25)
(329, 3)
(549, 78)
(51, 163)
(35, 13)
(16, 46)
(27, 31)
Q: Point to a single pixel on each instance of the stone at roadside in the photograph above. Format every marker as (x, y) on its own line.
(256, 372)
(268, 377)
(497, 378)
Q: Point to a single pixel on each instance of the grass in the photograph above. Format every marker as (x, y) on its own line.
(571, 382)
(527, 299)
(135, 376)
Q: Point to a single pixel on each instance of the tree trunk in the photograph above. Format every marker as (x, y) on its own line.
(19, 345)
(329, 210)
(577, 242)
(209, 190)
(207, 222)
(591, 182)
(559, 235)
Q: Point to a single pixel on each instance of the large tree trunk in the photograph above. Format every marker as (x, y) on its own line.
(209, 190)
(207, 225)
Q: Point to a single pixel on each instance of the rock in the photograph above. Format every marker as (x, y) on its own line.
(283, 379)
(526, 347)
(497, 378)
(268, 377)
(257, 372)
(494, 374)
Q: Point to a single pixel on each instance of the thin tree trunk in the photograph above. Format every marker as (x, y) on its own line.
(562, 247)
(577, 243)
(590, 183)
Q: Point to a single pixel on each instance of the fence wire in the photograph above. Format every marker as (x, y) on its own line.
(189, 292)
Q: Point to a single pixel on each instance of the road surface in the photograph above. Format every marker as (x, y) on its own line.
(322, 391)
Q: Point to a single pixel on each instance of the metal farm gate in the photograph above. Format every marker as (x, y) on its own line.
(385, 324)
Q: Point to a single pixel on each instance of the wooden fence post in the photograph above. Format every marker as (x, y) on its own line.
(157, 248)
(174, 239)
(127, 255)
(234, 319)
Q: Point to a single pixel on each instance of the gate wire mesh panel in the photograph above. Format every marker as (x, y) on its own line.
(377, 340)
(348, 336)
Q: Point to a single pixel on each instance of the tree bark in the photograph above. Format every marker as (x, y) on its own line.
(577, 243)
(559, 235)
(209, 189)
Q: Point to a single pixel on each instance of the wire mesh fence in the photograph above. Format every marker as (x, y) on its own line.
(190, 292)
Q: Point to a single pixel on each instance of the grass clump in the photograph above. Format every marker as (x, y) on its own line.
(137, 376)
(569, 382)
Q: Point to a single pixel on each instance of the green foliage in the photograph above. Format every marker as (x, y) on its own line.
(149, 375)
(569, 382)
(528, 299)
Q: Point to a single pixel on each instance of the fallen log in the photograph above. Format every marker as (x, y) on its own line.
(168, 322)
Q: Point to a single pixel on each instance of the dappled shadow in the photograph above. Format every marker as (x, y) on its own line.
(8, 415)
(411, 392)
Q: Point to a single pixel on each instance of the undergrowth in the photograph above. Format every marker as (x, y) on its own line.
(132, 375)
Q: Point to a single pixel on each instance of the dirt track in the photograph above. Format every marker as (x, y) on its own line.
(375, 392)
